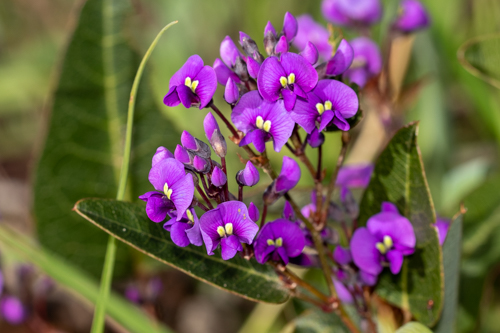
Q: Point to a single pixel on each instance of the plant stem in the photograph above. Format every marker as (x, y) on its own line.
(204, 196)
(109, 260)
(263, 218)
(226, 187)
(240, 193)
(224, 119)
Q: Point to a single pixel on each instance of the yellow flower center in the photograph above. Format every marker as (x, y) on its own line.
(168, 191)
(278, 242)
(287, 80)
(283, 81)
(226, 230)
(320, 107)
(263, 125)
(291, 78)
(385, 245)
(190, 215)
(191, 84)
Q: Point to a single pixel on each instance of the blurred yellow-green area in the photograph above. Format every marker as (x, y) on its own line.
(459, 136)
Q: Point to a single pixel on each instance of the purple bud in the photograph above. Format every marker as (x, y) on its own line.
(161, 154)
(231, 93)
(200, 164)
(269, 29)
(243, 38)
(288, 212)
(250, 47)
(253, 67)
(229, 52)
(218, 144)
(188, 141)
(281, 46)
(342, 60)
(310, 53)
(223, 72)
(316, 138)
(248, 176)
(133, 294)
(12, 310)
(253, 212)
(412, 16)
(290, 26)
(210, 125)
(218, 177)
(270, 39)
(182, 155)
(342, 255)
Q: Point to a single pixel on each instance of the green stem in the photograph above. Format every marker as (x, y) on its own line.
(109, 261)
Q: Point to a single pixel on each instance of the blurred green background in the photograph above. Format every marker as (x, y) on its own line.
(459, 121)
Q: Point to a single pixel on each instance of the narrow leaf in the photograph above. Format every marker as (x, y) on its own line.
(316, 321)
(129, 223)
(399, 178)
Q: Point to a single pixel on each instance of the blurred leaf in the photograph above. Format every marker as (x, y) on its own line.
(413, 327)
(315, 321)
(452, 252)
(480, 56)
(129, 223)
(399, 178)
(83, 149)
(79, 282)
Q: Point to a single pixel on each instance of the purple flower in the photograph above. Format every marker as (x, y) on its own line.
(288, 212)
(157, 205)
(182, 155)
(186, 230)
(200, 164)
(218, 177)
(132, 294)
(352, 12)
(310, 53)
(192, 85)
(169, 177)
(231, 93)
(367, 61)
(228, 225)
(210, 125)
(188, 141)
(342, 255)
(249, 176)
(223, 72)
(290, 26)
(279, 240)
(315, 138)
(342, 60)
(281, 46)
(229, 52)
(262, 121)
(387, 237)
(442, 225)
(291, 77)
(269, 29)
(12, 310)
(161, 154)
(357, 175)
(412, 16)
(331, 102)
(289, 175)
(311, 31)
(253, 67)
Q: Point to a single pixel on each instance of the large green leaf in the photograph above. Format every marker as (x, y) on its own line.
(399, 178)
(83, 148)
(129, 223)
(452, 252)
(316, 321)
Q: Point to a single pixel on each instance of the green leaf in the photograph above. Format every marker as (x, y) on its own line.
(452, 250)
(129, 223)
(83, 149)
(399, 178)
(79, 282)
(414, 327)
(316, 321)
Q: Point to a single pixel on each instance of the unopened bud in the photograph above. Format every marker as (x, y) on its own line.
(253, 212)
(200, 164)
(248, 176)
(240, 68)
(281, 46)
(310, 53)
(218, 144)
(316, 138)
(290, 26)
(218, 177)
(231, 93)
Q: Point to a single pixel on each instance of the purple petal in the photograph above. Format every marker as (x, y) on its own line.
(269, 29)
(231, 93)
(354, 175)
(280, 253)
(171, 99)
(342, 59)
(305, 75)
(290, 26)
(308, 210)
(305, 114)
(236, 212)
(166, 171)
(442, 226)
(389, 207)
(190, 69)
(178, 234)
(289, 175)
(343, 97)
(223, 72)
(182, 155)
(343, 293)
(249, 175)
(413, 16)
(395, 260)
(342, 255)
(229, 52)
(398, 227)
(12, 310)
(209, 223)
(263, 254)
(200, 164)
(210, 125)
(367, 278)
(288, 212)
(364, 253)
(186, 96)
(161, 154)
(332, 13)
(357, 75)
(207, 85)
(194, 233)
(182, 194)
(145, 197)
(310, 53)
(311, 31)
(289, 97)
(246, 111)
(257, 137)
(340, 122)
(281, 125)
(293, 238)
(282, 45)
(253, 212)
(316, 138)
(368, 51)
(157, 208)
(188, 141)
(326, 118)
(253, 67)
(366, 12)
(268, 80)
(218, 177)
(230, 246)
(305, 260)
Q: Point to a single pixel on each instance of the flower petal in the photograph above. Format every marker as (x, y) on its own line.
(326, 118)
(342, 255)
(395, 260)
(236, 212)
(289, 175)
(207, 85)
(190, 68)
(157, 208)
(147, 195)
(367, 278)
(340, 122)
(342, 292)
(305, 114)
(281, 125)
(209, 222)
(268, 80)
(398, 227)
(246, 111)
(182, 194)
(364, 253)
(186, 96)
(257, 137)
(280, 253)
(194, 233)
(171, 99)
(230, 246)
(166, 171)
(305, 74)
(178, 234)
(223, 72)
(289, 97)
(355, 176)
(343, 97)
(161, 154)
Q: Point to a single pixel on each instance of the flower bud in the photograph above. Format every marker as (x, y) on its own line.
(253, 212)
(249, 176)
(161, 154)
(218, 177)
(182, 155)
(316, 138)
(350, 205)
(290, 26)
(412, 16)
(210, 125)
(240, 68)
(342, 256)
(231, 93)
(253, 67)
(288, 212)
(223, 72)
(229, 52)
(188, 141)
(248, 44)
(269, 29)
(200, 164)
(12, 310)
(310, 53)
(270, 39)
(218, 144)
(281, 46)
(342, 59)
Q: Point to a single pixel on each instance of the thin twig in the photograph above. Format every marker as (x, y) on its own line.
(240, 193)
(204, 196)
(264, 214)
(224, 119)
(224, 169)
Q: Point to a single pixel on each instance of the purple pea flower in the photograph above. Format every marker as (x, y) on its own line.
(223, 72)
(367, 61)
(315, 138)
(261, 121)
(279, 240)
(186, 230)
(412, 16)
(342, 60)
(289, 175)
(157, 205)
(331, 102)
(387, 237)
(311, 31)
(442, 225)
(228, 225)
(249, 176)
(161, 154)
(354, 175)
(218, 177)
(291, 77)
(12, 310)
(192, 85)
(168, 176)
(352, 12)
(229, 52)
